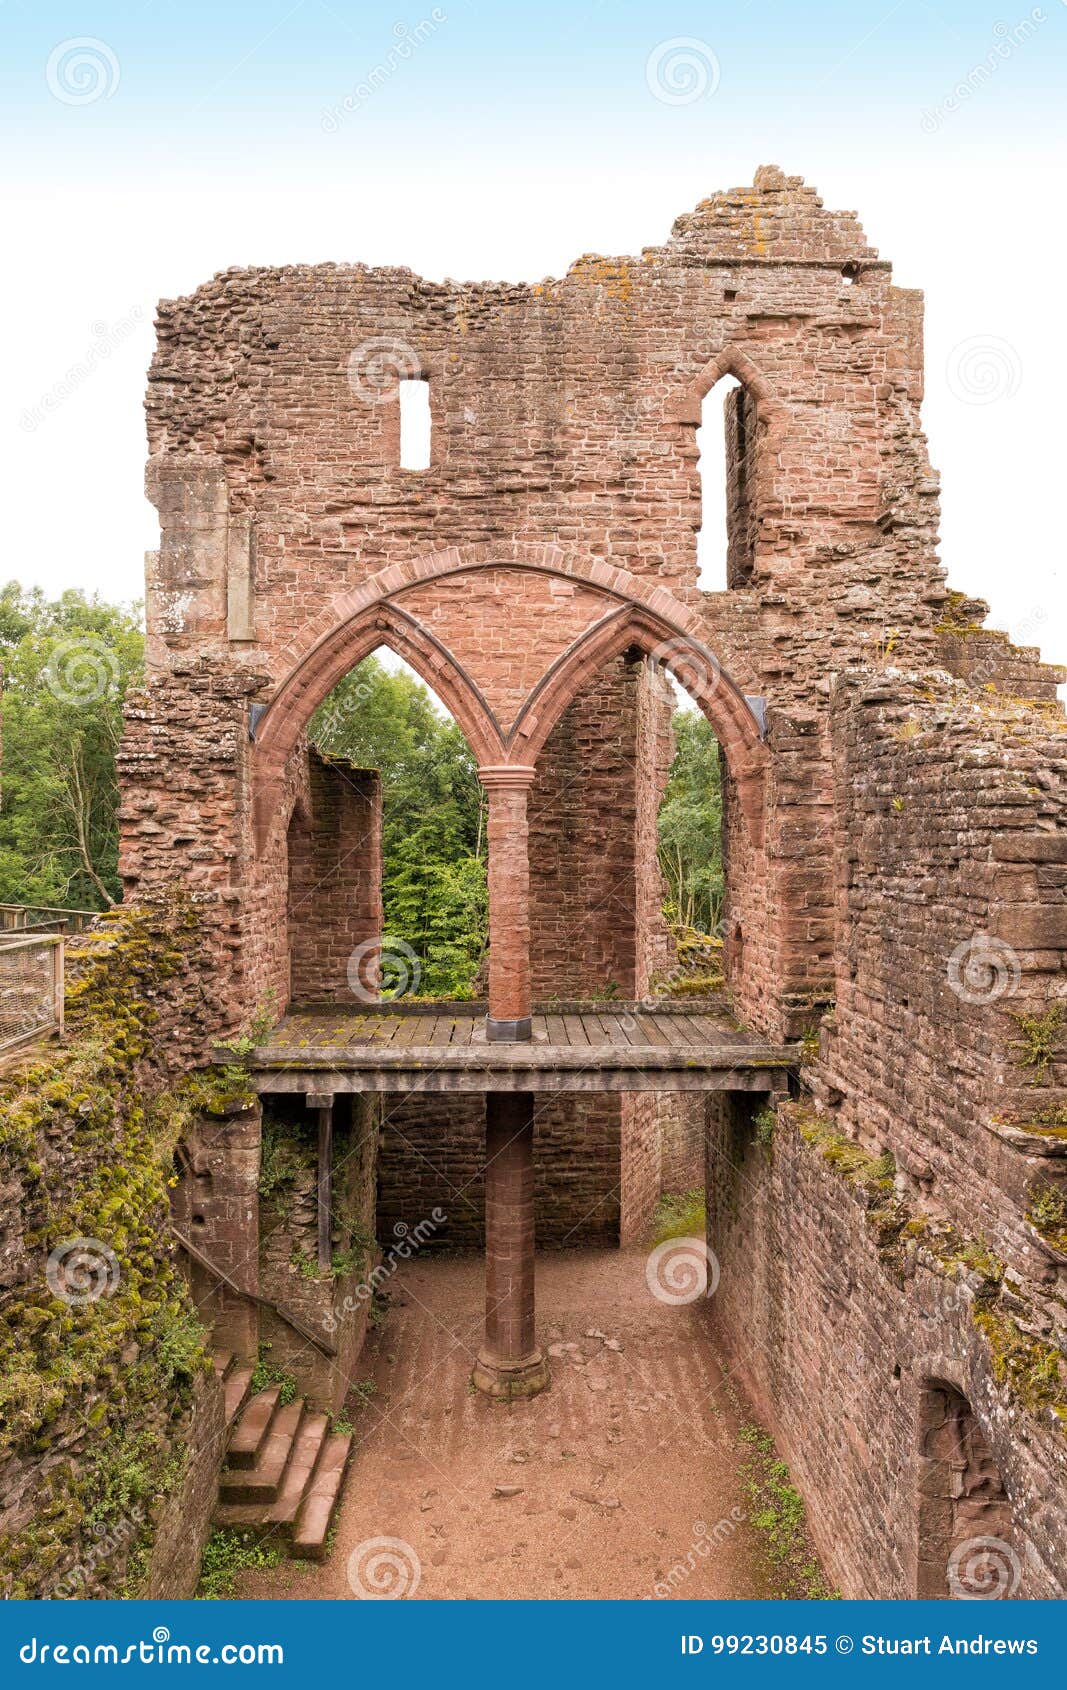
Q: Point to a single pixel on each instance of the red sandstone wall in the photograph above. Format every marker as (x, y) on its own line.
(834, 1339)
(335, 873)
(432, 1154)
(951, 868)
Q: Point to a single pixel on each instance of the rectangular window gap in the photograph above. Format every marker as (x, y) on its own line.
(414, 423)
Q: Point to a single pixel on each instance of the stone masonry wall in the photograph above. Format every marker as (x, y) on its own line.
(838, 1315)
(906, 1228)
(111, 1417)
(432, 1154)
(564, 418)
(335, 873)
(951, 869)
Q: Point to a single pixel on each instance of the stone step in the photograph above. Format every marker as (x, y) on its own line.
(300, 1473)
(222, 1361)
(277, 1517)
(315, 1516)
(236, 1387)
(250, 1432)
(262, 1482)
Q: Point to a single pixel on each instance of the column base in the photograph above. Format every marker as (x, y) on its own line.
(508, 1380)
(509, 1032)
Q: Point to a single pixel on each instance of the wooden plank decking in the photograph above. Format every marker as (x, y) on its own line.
(442, 1047)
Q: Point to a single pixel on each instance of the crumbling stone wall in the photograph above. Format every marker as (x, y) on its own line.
(908, 1224)
(563, 490)
(838, 1309)
(951, 868)
(110, 1418)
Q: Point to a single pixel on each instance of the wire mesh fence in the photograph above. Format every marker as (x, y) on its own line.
(31, 985)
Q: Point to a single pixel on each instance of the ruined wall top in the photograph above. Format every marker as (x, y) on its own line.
(564, 415)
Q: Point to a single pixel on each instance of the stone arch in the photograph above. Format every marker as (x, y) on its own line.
(682, 654)
(732, 360)
(965, 1531)
(353, 624)
(328, 661)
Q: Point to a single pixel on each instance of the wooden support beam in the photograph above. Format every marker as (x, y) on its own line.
(322, 1103)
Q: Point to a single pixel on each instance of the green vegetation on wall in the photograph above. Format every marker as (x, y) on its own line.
(95, 1389)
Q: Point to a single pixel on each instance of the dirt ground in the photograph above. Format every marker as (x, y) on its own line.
(623, 1480)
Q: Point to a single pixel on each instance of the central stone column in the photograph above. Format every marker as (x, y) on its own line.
(509, 1364)
(509, 902)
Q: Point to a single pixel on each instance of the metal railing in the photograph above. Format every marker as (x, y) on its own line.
(300, 1327)
(31, 986)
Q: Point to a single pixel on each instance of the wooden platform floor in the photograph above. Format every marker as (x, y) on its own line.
(607, 1046)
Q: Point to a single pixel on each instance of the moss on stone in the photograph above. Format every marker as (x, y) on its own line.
(96, 1393)
(1035, 1372)
(1038, 1037)
(1033, 1369)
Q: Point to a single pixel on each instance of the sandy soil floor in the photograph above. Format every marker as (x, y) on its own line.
(621, 1481)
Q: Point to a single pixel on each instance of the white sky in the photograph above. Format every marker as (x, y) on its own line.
(984, 238)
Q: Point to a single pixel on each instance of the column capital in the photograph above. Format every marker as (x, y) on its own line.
(505, 777)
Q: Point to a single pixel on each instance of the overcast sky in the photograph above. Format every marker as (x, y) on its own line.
(187, 137)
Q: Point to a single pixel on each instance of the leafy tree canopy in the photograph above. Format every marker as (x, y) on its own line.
(433, 819)
(690, 825)
(67, 664)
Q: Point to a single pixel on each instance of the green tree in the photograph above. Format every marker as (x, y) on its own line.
(433, 818)
(67, 664)
(690, 825)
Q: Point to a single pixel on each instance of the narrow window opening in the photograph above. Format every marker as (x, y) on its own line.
(726, 441)
(712, 444)
(414, 423)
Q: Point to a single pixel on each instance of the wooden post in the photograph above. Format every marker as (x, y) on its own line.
(322, 1102)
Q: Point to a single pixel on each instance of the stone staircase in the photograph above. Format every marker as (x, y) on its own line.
(284, 1469)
